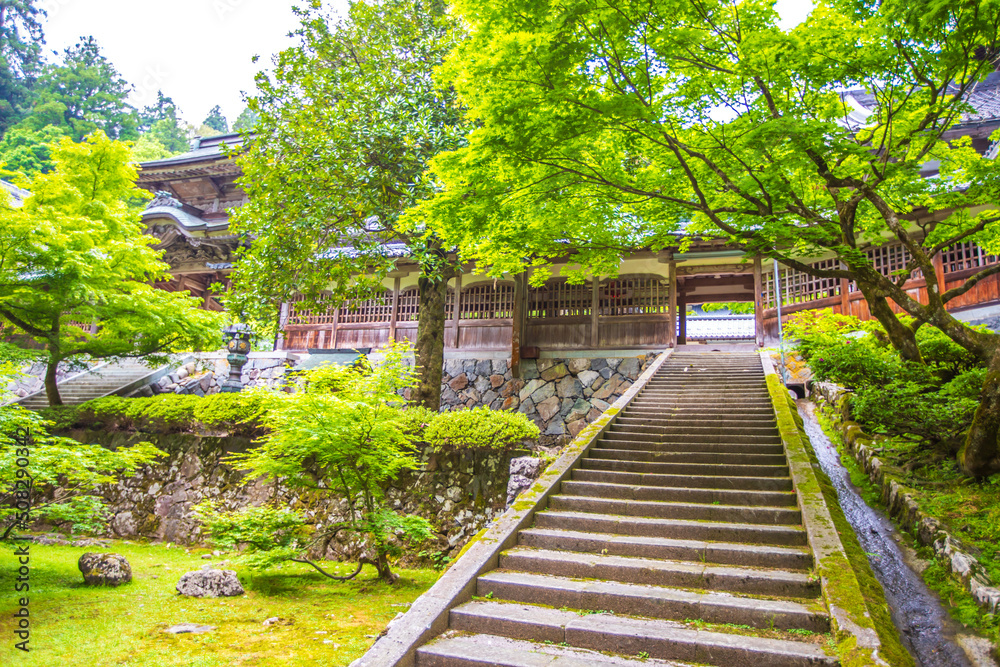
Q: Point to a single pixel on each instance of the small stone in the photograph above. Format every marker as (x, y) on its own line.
(274, 620)
(556, 428)
(210, 583)
(578, 364)
(483, 384)
(193, 628)
(500, 367)
(105, 569)
(530, 388)
(496, 381)
(206, 557)
(529, 369)
(484, 368)
(629, 368)
(543, 392)
(587, 378)
(569, 387)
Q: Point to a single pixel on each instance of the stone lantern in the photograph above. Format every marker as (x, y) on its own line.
(237, 338)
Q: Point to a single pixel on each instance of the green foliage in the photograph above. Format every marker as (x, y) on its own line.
(237, 414)
(25, 152)
(479, 429)
(65, 475)
(345, 435)
(216, 121)
(88, 93)
(735, 308)
(262, 536)
(21, 40)
(355, 102)
(856, 363)
(246, 121)
(160, 124)
(75, 254)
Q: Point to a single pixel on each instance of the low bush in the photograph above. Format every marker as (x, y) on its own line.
(479, 429)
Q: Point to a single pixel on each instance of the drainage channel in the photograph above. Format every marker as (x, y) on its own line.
(927, 630)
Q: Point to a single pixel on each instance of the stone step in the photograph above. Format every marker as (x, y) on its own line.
(591, 522)
(723, 438)
(677, 510)
(684, 481)
(610, 452)
(646, 546)
(656, 638)
(723, 421)
(743, 384)
(483, 650)
(675, 402)
(700, 412)
(613, 441)
(694, 469)
(688, 427)
(649, 601)
(573, 487)
(656, 572)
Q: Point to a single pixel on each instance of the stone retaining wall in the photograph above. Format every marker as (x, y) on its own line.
(901, 502)
(458, 493)
(561, 396)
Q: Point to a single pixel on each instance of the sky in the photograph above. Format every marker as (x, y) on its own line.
(199, 52)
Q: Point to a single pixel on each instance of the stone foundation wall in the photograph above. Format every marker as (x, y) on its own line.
(561, 396)
(206, 375)
(458, 493)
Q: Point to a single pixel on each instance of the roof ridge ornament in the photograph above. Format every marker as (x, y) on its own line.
(164, 198)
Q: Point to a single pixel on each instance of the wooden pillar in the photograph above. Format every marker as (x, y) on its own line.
(672, 308)
(279, 340)
(458, 307)
(595, 309)
(682, 314)
(518, 322)
(333, 331)
(758, 301)
(394, 314)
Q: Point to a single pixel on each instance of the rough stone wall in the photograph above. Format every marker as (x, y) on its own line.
(207, 374)
(561, 396)
(458, 493)
(33, 379)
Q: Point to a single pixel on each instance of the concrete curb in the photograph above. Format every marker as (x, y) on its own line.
(900, 502)
(428, 616)
(851, 624)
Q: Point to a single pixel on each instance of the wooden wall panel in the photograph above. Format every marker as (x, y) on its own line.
(497, 337)
(558, 336)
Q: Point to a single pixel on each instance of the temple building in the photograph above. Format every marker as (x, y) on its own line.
(644, 308)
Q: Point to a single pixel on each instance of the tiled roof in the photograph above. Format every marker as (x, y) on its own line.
(984, 98)
(17, 195)
(202, 148)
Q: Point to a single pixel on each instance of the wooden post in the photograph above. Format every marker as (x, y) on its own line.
(333, 332)
(517, 325)
(394, 314)
(672, 308)
(758, 301)
(595, 308)
(682, 314)
(279, 340)
(458, 307)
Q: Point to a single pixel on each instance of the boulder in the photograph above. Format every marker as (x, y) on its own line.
(523, 471)
(578, 364)
(529, 369)
(459, 383)
(548, 408)
(496, 380)
(543, 392)
(556, 372)
(210, 583)
(105, 569)
(569, 387)
(587, 378)
(483, 384)
(500, 366)
(193, 628)
(484, 367)
(530, 388)
(629, 368)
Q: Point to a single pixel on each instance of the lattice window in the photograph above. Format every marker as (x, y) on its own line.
(633, 296)
(320, 315)
(367, 311)
(800, 287)
(409, 305)
(964, 256)
(890, 259)
(487, 301)
(557, 298)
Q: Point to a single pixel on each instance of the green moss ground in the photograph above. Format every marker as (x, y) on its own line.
(75, 625)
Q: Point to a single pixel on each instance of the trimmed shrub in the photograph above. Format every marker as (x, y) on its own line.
(479, 429)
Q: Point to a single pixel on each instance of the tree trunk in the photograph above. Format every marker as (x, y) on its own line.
(901, 336)
(384, 572)
(429, 349)
(51, 389)
(980, 455)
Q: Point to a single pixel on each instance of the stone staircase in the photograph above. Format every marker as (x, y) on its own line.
(100, 381)
(679, 525)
